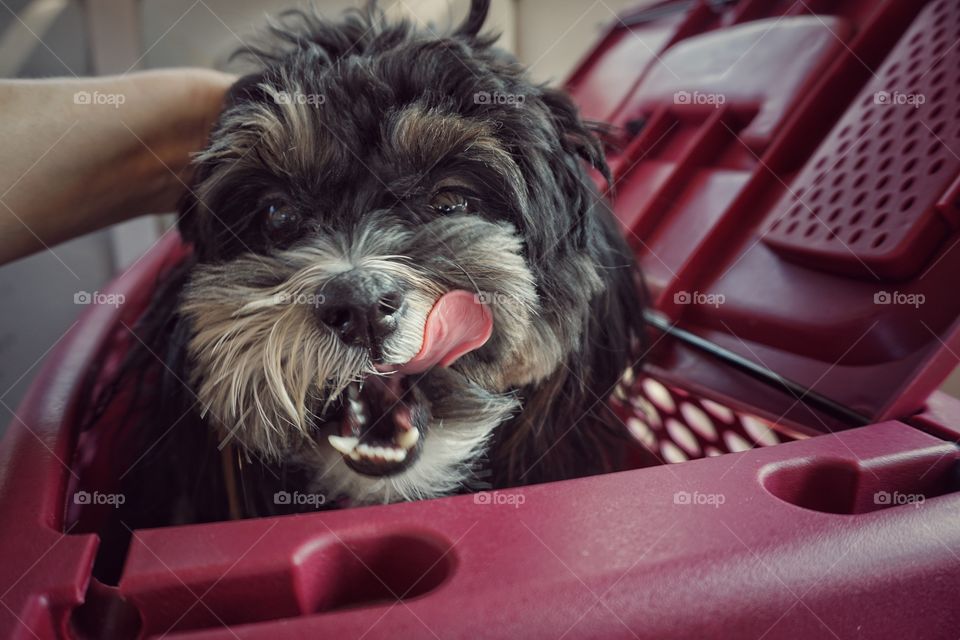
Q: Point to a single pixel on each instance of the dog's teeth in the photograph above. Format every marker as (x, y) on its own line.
(356, 407)
(344, 445)
(395, 455)
(408, 439)
(361, 450)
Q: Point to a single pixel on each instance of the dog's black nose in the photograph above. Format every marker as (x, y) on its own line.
(361, 307)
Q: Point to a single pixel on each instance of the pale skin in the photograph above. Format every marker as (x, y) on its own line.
(70, 166)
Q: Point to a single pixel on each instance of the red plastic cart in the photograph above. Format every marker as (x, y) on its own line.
(788, 175)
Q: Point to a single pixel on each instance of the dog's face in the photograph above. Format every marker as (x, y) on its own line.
(393, 241)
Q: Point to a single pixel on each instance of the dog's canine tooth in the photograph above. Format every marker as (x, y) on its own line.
(343, 444)
(358, 410)
(408, 439)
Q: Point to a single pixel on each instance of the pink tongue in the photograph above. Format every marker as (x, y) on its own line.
(456, 325)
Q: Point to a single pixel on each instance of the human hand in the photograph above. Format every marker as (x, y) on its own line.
(82, 154)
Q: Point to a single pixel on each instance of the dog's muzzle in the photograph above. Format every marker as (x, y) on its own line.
(383, 418)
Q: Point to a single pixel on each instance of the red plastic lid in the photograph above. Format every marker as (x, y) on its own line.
(803, 213)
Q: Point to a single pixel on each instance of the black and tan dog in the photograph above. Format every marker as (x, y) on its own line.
(402, 277)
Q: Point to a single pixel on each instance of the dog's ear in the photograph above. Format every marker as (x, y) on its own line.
(568, 415)
(472, 24)
(576, 136)
(187, 215)
(245, 89)
(575, 145)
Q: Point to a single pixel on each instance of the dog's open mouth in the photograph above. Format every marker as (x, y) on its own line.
(381, 424)
(383, 420)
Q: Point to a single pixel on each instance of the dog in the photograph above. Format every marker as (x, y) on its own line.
(403, 283)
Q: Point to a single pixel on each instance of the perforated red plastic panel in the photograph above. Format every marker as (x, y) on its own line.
(868, 202)
(676, 425)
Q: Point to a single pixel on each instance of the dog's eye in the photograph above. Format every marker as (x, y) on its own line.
(449, 202)
(281, 221)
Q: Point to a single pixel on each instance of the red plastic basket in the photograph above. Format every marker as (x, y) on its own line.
(751, 132)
